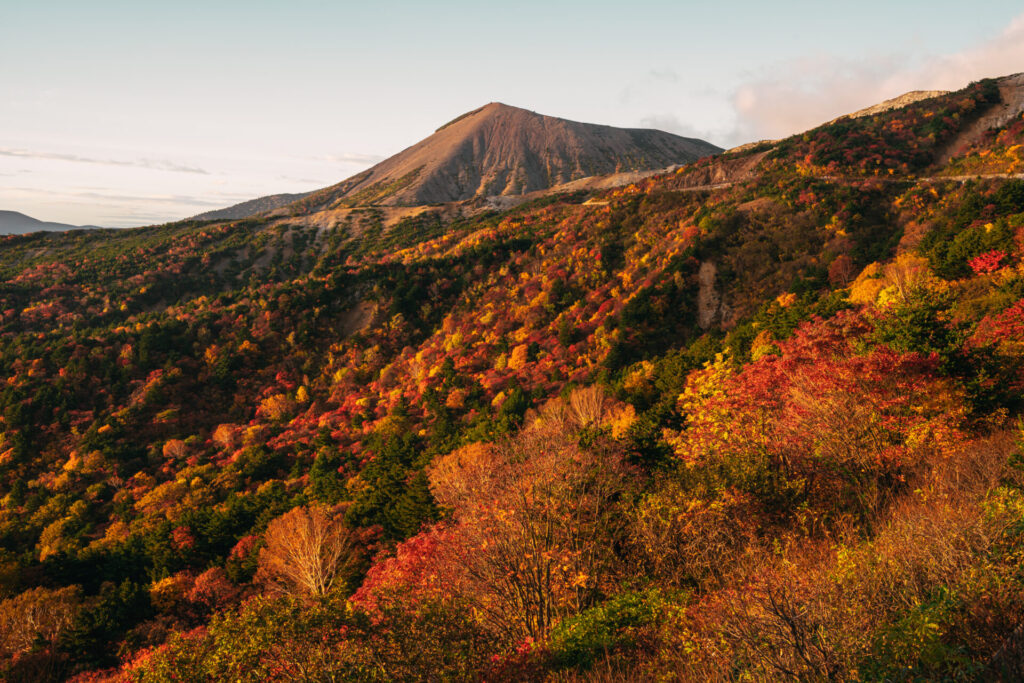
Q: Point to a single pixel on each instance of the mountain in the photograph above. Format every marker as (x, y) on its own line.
(14, 223)
(899, 102)
(503, 150)
(251, 207)
(755, 417)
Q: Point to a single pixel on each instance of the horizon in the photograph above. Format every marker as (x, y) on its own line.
(122, 116)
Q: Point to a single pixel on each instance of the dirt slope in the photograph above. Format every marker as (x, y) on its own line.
(503, 150)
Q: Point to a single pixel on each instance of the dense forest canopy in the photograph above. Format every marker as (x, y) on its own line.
(760, 426)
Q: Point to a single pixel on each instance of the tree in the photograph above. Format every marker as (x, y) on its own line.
(535, 524)
(308, 553)
(38, 614)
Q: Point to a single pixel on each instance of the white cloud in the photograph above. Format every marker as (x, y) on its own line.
(155, 164)
(670, 123)
(801, 94)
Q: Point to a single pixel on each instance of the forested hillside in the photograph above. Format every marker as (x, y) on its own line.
(754, 419)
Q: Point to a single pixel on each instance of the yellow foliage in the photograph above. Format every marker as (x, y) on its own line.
(356, 485)
(786, 300)
(639, 375)
(93, 462)
(53, 540)
(519, 356)
(167, 593)
(451, 475)
(701, 387)
(868, 284)
(278, 407)
(74, 462)
(763, 345)
(161, 498)
(892, 283)
(620, 419)
(453, 341)
(907, 273)
(456, 399)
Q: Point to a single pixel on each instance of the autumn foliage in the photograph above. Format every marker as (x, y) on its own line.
(307, 553)
(765, 429)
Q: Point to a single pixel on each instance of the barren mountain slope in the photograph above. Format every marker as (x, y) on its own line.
(1011, 93)
(503, 150)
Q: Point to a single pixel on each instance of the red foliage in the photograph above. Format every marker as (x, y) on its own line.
(986, 263)
(183, 538)
(213, 589)
(412, 572)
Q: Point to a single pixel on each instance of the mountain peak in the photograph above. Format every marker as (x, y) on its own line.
(487, 110)
(499, 149)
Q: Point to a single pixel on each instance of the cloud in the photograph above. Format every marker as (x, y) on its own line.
(655, 78)
(352, 158)
(797, 95)
(671, 124)
(154, 164)
(218, 200)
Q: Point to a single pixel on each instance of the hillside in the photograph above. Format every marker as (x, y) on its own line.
(754, 418)
(14, 223)
(897, 102)
(251, 207)
(503, 150)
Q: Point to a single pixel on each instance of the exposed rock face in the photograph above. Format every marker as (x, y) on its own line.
(501, 150)
(709, 301)
(1011, 95)
(723, 171)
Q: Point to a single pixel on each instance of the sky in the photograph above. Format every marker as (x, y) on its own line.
(127, 113)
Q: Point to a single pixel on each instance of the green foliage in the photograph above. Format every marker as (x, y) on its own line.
(116, 609)
(913, 648)
(396, 496)
(283, 640)
(624, 622)
(950, 249)
(921, 325)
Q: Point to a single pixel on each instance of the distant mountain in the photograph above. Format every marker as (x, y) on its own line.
(14, 223)
(501, 150)
(251, 207)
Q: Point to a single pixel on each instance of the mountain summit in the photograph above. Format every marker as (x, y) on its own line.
(503, 150)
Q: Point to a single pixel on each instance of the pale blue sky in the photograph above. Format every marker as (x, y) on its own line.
(126, 113)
